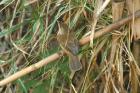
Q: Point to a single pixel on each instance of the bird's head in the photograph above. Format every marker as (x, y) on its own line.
(62, 28)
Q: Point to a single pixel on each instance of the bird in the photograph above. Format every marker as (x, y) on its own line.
(69, 43)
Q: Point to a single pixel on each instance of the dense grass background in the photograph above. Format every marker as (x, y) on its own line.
(28, 31)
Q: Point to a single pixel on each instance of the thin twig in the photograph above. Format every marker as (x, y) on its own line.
(57, 55)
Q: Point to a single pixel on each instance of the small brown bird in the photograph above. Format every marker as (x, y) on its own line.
(69, 44)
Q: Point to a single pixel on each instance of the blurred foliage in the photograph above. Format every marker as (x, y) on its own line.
(28, 31)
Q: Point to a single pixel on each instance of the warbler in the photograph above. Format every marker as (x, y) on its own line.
(70, 45)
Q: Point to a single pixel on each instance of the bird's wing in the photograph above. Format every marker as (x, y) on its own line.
(73, 46)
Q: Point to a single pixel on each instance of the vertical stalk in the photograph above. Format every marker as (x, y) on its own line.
(117, 11)
(134, 5)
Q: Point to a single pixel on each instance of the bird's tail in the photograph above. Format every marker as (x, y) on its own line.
(75, 63)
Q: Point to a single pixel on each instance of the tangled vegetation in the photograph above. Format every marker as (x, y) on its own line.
(28, 31)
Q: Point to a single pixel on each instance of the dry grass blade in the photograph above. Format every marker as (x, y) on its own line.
(96, 15)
